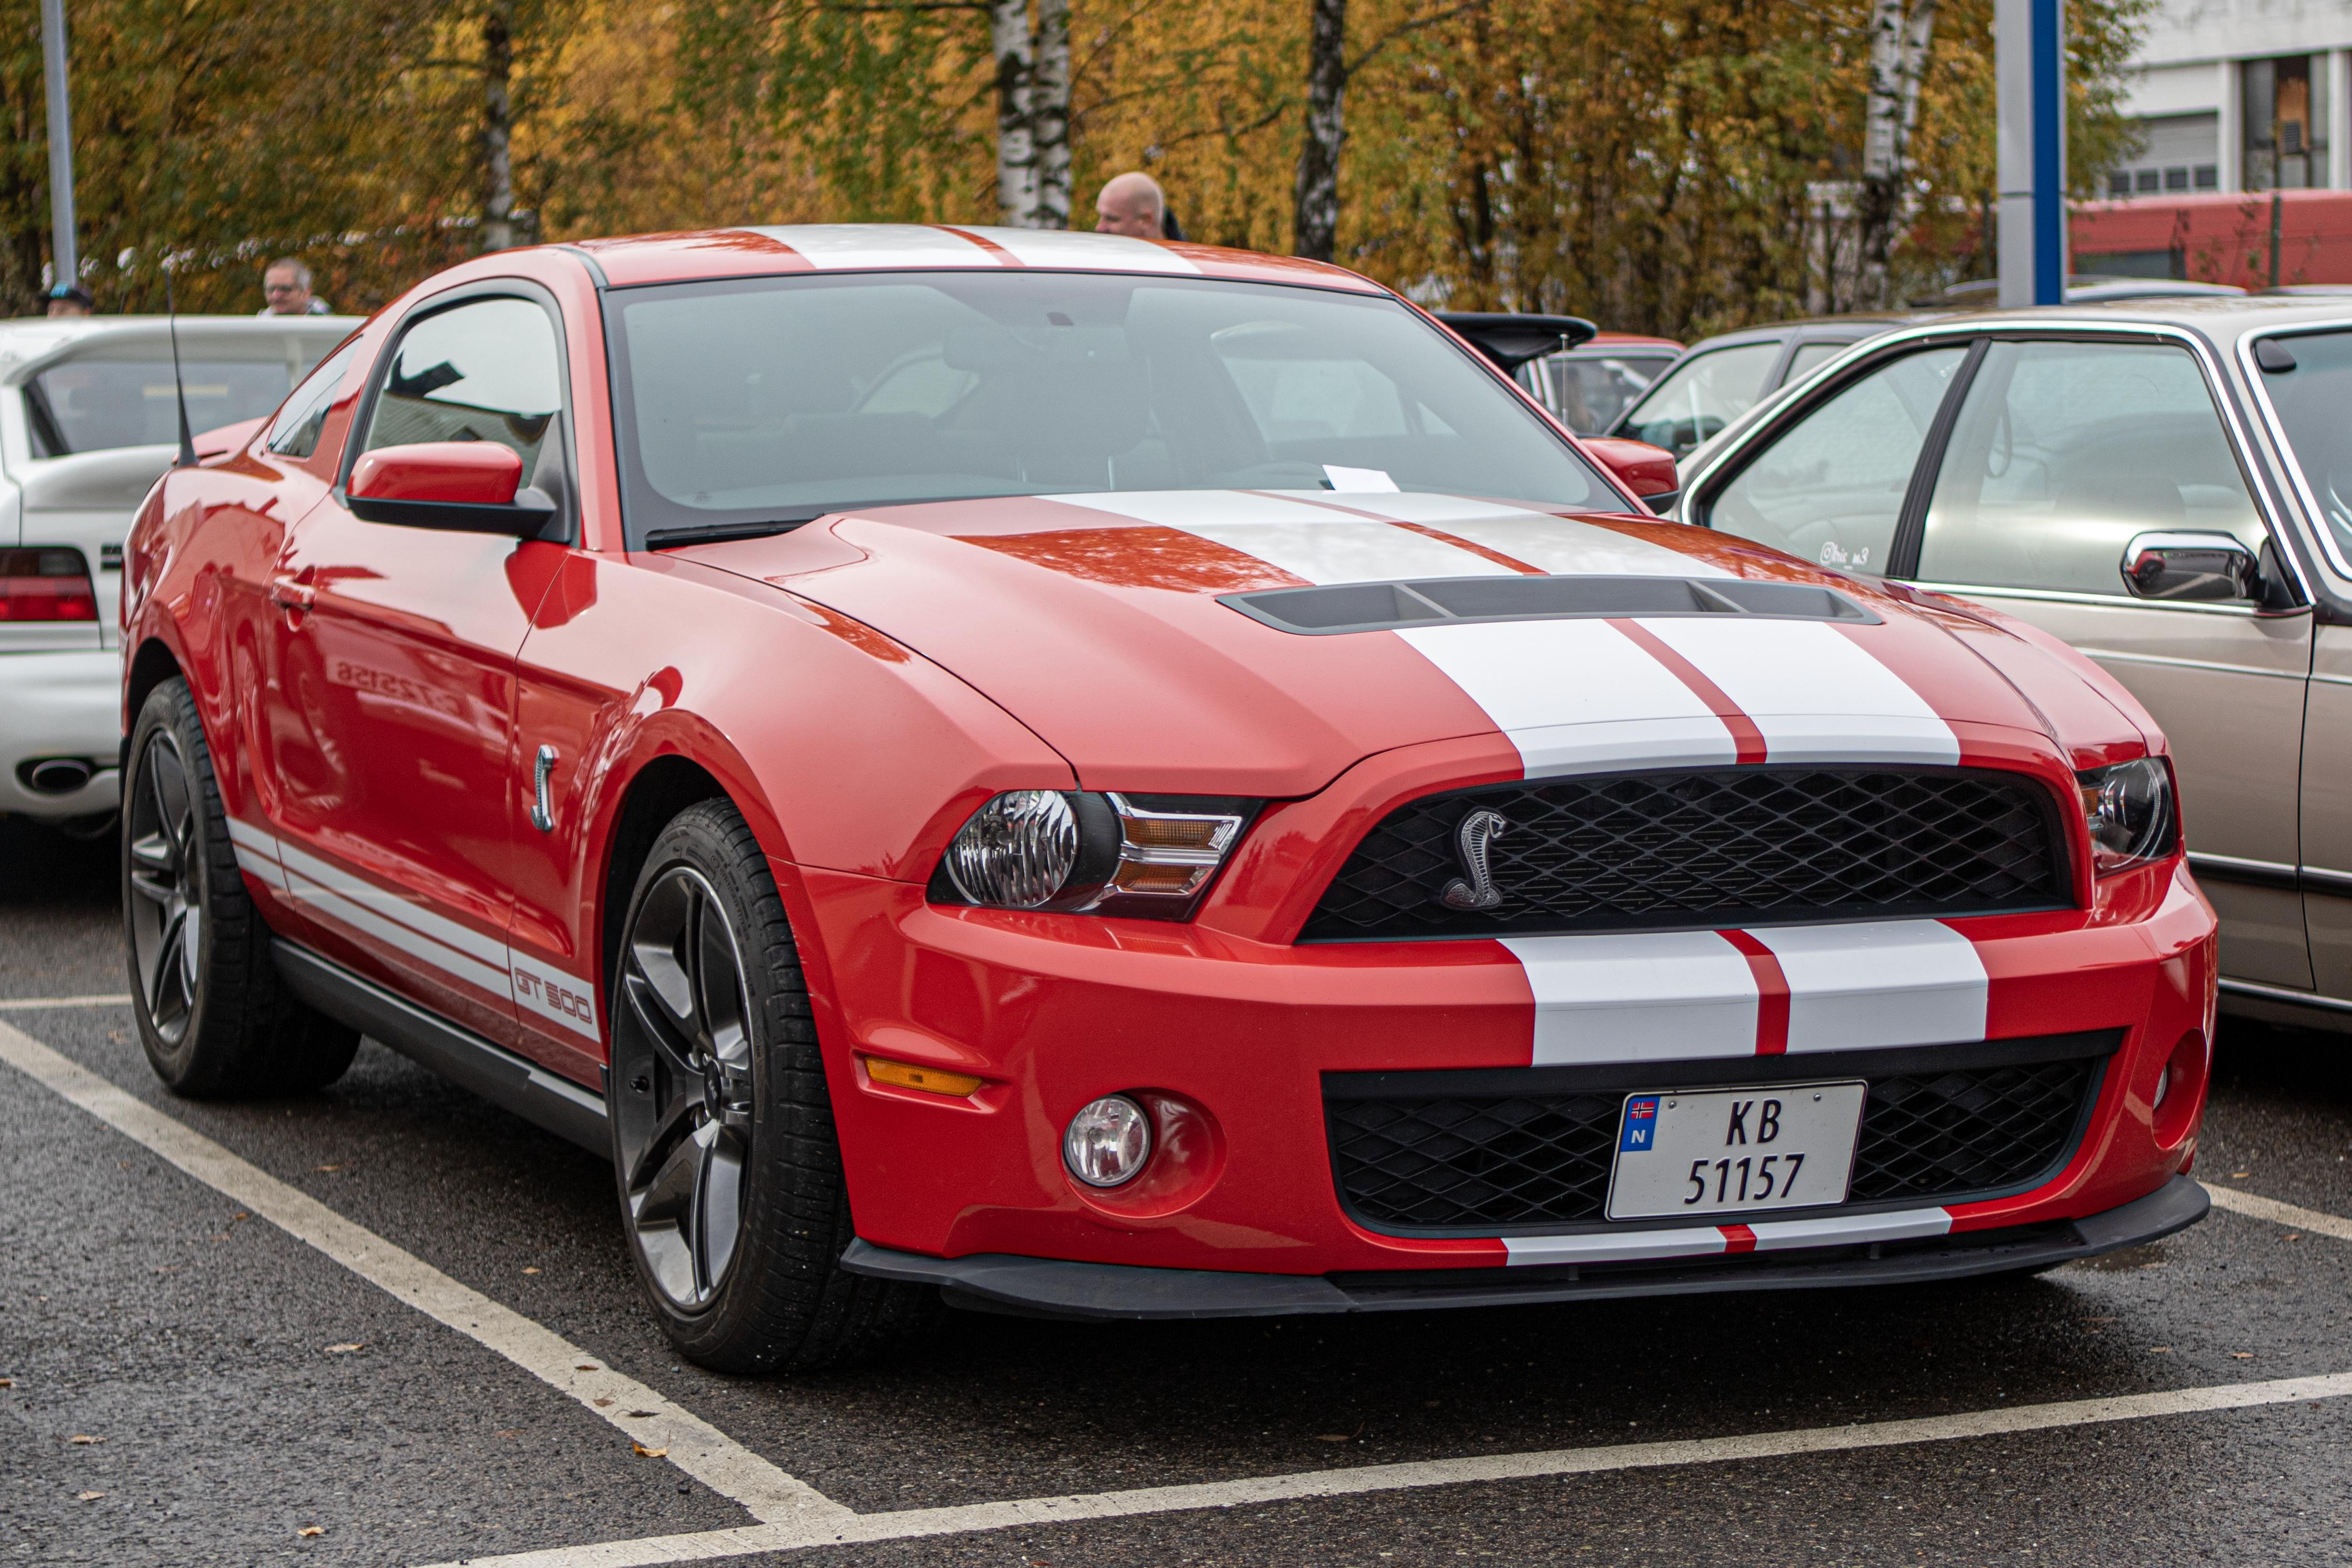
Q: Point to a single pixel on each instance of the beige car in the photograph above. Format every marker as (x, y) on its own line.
(2167, 487)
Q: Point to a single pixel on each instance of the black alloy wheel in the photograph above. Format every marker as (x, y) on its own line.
(165, 875)
(685, 1122)
(212, 1015)
(724, 1156)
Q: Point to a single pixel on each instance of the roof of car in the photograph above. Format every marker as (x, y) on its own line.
(2220, 316)
(28, 341)
(758, 250)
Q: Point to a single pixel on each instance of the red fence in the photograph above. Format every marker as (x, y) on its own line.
(2251, 240)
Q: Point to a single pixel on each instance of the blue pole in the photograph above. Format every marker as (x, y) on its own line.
(2048, 153)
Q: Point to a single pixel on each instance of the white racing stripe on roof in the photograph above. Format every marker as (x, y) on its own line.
(1062, 248)
(853, 245)
(1576, 697)
(1612, 1247)
(1814, 694)
(1310, 542)
(1665, 995)
(1844, 1230)
(1868, 984)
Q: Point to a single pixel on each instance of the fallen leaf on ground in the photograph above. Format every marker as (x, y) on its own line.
(509, 1432)
(2291, 1236)
(88, 1495)
(2242, 1355)
(602, 1404)
(530, 1271)
(642, 1415)
(2240, 1176)
(8, 1383)
(1331, 1437)
(326, 1167)
(583, 1369)
(2159, 1349)
(84, 1437)
(346, 1349)
(312, 1529)
(644, 1452)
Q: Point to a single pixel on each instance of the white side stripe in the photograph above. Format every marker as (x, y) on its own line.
(1615, 1246)
(394, 907)
(1814, 694)
(1576, 697)
(1659, 997)
(1844, 1230)
(334, 906)
(1879, 983)
(260, 866)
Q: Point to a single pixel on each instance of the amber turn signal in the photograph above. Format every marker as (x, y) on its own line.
(906, 1075)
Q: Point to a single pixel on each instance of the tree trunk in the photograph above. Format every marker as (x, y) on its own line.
(1017, 144)
(497, 126)
(1315, 221)
(1899, 37)
(1049, 114)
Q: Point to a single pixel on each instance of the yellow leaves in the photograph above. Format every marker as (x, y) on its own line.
(83, 1439)
(645, 1453)
(347, 1349)
(88, 1495)
(311, 1530)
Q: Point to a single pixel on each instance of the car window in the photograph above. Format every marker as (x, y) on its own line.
(114, 397)
(740, 400)
(484, 370)
(1830, 490)
(2310, 400)
(1810, 356)
(1701, 395)
(2063, 451)
(1589, 390)
(295, 432)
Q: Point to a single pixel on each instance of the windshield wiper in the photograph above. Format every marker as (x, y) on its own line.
(713, 533)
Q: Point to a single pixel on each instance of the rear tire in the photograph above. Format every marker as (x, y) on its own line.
(723, 1144)
(214, 1017)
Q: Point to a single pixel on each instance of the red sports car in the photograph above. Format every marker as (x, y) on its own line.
(1115, 778)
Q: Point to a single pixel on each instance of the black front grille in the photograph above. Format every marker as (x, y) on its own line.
(1473, 1155)
(1709, 849)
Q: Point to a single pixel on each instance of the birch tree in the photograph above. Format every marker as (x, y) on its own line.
(1900, 37)
(1032, 111)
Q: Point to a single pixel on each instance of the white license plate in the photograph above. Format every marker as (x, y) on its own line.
(1735, 1150)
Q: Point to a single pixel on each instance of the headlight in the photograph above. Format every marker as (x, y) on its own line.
(2128, 808)
(1139, 855)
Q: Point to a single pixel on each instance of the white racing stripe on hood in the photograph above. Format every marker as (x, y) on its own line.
(1313, 543)
(1655, 996)
(1870, 984)
(1554, 544)
(1814, 694)
(851, 246)
(1576, 697)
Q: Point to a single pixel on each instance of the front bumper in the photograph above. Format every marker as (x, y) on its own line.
(65, 703)
(1040, 1287)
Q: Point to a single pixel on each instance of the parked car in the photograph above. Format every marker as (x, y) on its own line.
(1720, 378)
(1588, 382)
(88, 420)
(2163, 485)
(1109, 778)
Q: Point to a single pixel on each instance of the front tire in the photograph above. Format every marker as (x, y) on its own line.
(723, 1144)
(214, 1017)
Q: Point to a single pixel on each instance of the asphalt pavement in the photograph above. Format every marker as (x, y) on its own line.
(188, 1383)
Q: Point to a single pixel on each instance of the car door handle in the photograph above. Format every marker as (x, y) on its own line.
(295, 595)
(542, 801)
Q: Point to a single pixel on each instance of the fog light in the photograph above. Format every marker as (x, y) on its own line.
(1108, 1141)
(2163, 1088)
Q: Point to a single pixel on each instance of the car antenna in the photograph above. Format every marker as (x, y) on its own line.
(187, 458)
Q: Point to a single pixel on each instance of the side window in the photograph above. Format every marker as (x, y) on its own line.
(2063, 451)
(485, 370)
(1811, 357)
(295, 432)
(1702, 395)
(1830, 490)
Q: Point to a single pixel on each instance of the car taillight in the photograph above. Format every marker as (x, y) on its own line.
(46, 585)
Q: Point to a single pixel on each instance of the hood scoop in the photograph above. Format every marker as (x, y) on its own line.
(1389, 606)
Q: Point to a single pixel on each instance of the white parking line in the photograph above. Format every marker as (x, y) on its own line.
(2279, 1213)
(694, 1446)
(915, 1523)
(41, 1004)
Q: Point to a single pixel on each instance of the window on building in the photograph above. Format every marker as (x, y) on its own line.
(2286, 115)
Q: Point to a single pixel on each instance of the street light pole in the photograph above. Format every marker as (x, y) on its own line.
(65, 254)
(2029, 71)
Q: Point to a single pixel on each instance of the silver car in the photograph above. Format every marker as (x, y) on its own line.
(2166, 486)
(88, 420)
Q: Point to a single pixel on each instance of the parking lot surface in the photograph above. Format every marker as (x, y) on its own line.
(189, 1381)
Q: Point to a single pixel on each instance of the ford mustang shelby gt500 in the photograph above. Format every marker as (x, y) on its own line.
(1106, 778)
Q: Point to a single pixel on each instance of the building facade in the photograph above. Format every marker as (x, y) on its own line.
(2241, 95)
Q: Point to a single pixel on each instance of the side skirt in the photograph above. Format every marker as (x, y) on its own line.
(430, 1040)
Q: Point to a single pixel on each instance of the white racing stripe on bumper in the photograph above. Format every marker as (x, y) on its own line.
(1576, 697)
(1621, 1247)
(1659, 997)
(1813, 693)
(1847, 1229)
(1872, 984)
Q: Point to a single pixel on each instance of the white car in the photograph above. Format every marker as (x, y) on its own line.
(88, 421)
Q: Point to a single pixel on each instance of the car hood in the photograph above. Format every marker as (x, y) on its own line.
(1105, 624)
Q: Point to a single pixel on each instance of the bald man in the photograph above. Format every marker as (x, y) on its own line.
(1132, 204)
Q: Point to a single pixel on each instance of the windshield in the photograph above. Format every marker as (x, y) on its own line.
(1699, 397)
(124, 399)
(2310, 400)
(776, 399)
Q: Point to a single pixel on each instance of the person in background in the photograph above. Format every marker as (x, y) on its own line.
(285, 285)
(1133, 204)
(70, 299)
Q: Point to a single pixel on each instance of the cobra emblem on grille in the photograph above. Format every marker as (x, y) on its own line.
(1474, 841)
